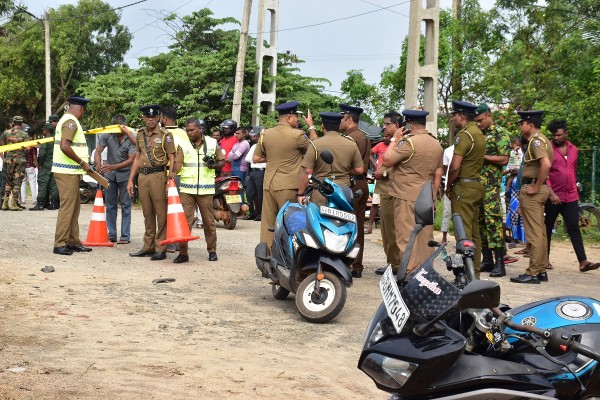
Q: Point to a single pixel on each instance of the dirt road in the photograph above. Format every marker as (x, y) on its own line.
(97, 328)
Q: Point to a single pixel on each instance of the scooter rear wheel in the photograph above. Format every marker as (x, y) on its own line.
(232, 221)
(279, 292)
(324, 306)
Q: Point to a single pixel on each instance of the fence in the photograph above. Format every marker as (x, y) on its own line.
(588, 175)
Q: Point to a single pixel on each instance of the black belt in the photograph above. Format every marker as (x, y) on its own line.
(151, 170)
(257, 169)
(359, 177)
(530, 181)
(468, 179)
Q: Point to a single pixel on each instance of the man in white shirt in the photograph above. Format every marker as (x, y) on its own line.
(256, 175)
(447, 158)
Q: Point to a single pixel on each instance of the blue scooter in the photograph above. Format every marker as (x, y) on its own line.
(312, 249)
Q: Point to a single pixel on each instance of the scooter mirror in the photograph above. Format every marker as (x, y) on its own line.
(326, 156)
(480, 294)
(424, 205)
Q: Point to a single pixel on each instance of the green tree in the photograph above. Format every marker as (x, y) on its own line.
(86, 39)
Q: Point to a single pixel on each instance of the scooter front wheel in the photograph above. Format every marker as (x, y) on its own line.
(279, 292)
(325, 305)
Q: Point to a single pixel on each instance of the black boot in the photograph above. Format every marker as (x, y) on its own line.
(39, 205)
(487, 264)
(499, 270)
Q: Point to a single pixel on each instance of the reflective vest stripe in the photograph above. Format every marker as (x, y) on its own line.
(198, 186)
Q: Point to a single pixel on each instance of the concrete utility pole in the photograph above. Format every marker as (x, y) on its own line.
(429, 70)
(47, 62)
(238, 90)
(263, 51)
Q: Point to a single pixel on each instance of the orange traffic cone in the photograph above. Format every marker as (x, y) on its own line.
(98, 231)
(177, 227)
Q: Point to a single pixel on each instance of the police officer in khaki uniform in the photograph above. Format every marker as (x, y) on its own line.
(537, 161)
(70, 160)
(464, 186)
(414, 157)
(349, 126)
(282, 148)
(155, 153)
(346, 158)
(391, 123)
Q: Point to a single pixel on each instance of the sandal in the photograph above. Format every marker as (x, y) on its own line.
(510, 259)
(123, 241)
(589, 267)
(522, 251)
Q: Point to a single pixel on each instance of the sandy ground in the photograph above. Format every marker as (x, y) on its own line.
(97, 328)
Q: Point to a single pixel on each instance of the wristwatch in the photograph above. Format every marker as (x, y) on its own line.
(393, 139)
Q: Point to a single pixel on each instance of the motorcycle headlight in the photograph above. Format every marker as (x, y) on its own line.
(335, 243)
(310, 242)
(386, 371)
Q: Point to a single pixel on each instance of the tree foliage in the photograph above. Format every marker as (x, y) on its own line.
(86, 39)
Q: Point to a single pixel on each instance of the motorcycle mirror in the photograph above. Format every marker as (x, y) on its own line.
(326, 156)
(424, 205)
(480, 294)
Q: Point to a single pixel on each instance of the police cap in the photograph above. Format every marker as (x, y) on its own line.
(256, 131)
(291, 107)
(463, 107)
(482, 108)
(17, 118)
(78, 101)
(47, 125)
(151, 110)
(331, 116)
(534, 116)
(346, 109)
(415, 115)
(53, 117)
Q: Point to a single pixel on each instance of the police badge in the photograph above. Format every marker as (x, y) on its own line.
(537, 143)
(457, 140)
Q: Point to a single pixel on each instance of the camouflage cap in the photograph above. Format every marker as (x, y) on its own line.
(53, 117)
(17, 118)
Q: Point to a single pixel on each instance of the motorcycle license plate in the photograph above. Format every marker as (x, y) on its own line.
(339, 214)
(396, 308)
(233, 198)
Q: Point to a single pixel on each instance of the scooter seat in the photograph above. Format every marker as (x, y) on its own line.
(294, 219)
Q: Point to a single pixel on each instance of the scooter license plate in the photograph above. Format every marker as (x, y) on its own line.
(396, 308)
(233, 198)
(339, 214)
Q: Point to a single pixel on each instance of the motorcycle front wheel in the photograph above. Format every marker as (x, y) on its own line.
(325, 305)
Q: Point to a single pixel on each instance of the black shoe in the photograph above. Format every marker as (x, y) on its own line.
(62, 250)
(487, 263)
(141, 253)
(181, 259)
(543, 277)
(257, 218)
(158, 256)
(525, 279)
(112, 240)
(38, 207)
(79, 248)
(499, 269)
(212, 256)
(20, 206)
(357, 274)
(249, 216)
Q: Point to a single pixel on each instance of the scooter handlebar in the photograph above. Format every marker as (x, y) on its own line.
(459, 228)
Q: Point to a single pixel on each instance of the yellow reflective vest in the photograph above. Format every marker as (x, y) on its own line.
(196, 177)
(60, 162)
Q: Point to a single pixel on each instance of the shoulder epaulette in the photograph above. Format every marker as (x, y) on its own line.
(349, 138)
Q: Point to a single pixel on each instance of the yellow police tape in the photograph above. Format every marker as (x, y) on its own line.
(24, 145)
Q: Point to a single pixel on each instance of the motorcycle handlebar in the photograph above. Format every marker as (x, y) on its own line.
(459, 228)
(584, 350)
(518, 327)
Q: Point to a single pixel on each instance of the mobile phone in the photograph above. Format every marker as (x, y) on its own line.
(407, 128)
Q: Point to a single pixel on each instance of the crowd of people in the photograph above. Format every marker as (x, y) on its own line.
(493, 181)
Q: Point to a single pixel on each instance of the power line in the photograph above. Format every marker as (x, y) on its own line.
(335, 20)
(390, 10)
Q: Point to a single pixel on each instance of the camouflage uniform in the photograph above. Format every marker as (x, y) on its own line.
(46, 183)
(14, 162)
(497, 143)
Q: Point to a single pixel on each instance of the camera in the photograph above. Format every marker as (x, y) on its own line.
(210, 160)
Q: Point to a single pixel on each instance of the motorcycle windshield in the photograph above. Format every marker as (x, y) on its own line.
(427, 294)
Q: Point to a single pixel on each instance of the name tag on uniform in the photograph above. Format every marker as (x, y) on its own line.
(157, 141)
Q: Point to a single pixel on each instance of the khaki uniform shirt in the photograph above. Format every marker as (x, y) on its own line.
(160, 144)
(470, 144)
(345, 157)
(364, 144)
(416, 157)
(539, 147)
(283, 147)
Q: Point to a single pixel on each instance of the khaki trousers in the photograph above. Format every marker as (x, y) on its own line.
(152, 189)
(404, 222)
(67, 221)
(388, 231)
(204, 203)
(273, 200)
(532, 211)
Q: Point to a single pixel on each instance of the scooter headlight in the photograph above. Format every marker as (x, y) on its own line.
(334, 242)
(310, 242)
(386, 371)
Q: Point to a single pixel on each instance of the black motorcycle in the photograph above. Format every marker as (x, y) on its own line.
(430, 339)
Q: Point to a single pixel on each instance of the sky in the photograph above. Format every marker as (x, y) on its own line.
(331, 36)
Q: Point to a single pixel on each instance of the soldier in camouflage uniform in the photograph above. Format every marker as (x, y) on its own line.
(14, 164)
(497, 149)
(46, 184)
